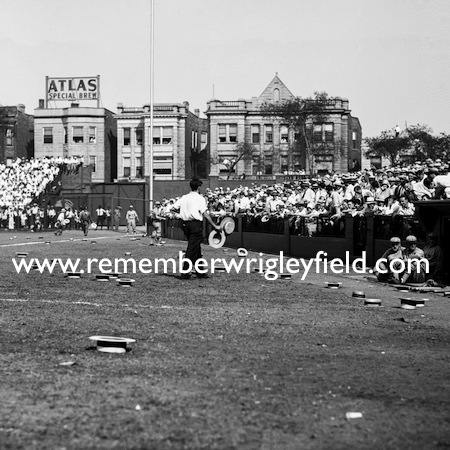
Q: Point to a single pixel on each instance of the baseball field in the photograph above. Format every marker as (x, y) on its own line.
(230, 362)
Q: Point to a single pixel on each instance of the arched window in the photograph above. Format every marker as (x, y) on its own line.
(276, 95)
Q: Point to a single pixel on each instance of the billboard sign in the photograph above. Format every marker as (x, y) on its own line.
(72, 89)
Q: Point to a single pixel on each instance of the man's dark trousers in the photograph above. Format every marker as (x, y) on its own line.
(193, 230)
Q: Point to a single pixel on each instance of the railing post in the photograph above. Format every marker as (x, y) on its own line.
(240, 231)
(349, 237)
(370, 240)
(287, 238)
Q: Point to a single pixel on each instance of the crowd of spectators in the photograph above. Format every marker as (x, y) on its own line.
(21, 185)
(388, 192)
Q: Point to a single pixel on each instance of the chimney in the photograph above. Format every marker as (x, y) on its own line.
(197, 112)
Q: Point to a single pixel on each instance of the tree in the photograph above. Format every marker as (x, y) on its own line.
(298, 113)
(417, 140)
(443, 146)
(425, 144)
(243, 151)
(388, 144)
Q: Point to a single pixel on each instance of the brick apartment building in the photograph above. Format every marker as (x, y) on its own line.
(179, 142)
(16, 134)
(336, 142)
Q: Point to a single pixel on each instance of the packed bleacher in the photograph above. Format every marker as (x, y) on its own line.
(22, 183)
(309, 204)
(386, 192)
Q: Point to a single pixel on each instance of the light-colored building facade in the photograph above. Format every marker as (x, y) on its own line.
(179, 142)
(82, 132)
(336, 141)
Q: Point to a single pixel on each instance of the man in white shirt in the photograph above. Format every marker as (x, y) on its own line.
(100, 211)
(193, 209)
(441, 183)
(404, 207)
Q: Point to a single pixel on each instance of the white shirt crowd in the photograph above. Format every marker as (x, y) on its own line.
(23, 181)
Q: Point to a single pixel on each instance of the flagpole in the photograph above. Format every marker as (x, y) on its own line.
(152, 91)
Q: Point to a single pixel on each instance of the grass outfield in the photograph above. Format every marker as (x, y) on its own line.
(231, 362)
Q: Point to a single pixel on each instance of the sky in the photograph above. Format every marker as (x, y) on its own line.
(389, 58)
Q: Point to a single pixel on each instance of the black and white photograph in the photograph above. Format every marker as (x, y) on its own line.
(224, 224)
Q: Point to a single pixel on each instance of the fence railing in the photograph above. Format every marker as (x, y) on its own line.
(305, 237)
(387, 226)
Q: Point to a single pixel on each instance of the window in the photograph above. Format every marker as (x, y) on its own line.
(139, 136)
(163, 171)
(48, 135)
(162, 165)
(139, 167)
(276, 95)
(284, 163)
(255, 134)
(268, 165)
(323, 132)
(9, 137)
(284, 134)
(93, 163)
(92, 135)
(156, 135)
(328, 132)
(375, 161)
(222, 133)
(317, 133)
(233, 133)
(65, 135)
(204, 138)
(194, 139)
(268, 129)
(77, 135)
(228, 132)
(126, 136)
(126, 166)
(162, 135)
(256, 165)
(167, 135)
(354, 139)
